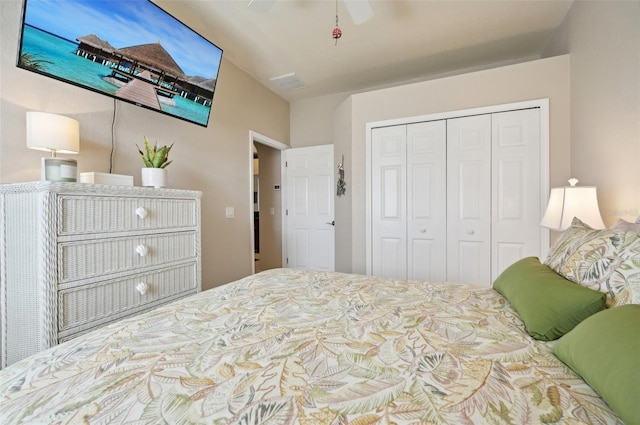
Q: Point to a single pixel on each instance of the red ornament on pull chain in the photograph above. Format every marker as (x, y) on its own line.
(337, 32)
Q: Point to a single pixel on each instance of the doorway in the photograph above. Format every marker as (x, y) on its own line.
(266, 202)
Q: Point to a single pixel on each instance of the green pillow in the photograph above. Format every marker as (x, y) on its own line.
(548, 304)
(605, 351)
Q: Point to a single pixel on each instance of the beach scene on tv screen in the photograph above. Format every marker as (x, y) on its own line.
(130, 49)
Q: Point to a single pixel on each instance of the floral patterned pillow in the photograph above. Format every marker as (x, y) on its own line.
(630, 294)
(606, 260)
(566, 244)
(625, 225)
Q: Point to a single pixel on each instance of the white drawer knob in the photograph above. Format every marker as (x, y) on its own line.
(142, 288)
(142, 250)
(142, 212)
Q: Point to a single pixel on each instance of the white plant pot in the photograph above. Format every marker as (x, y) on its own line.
(155, 177)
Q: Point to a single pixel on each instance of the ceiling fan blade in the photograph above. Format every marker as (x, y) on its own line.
(261, 5)
(360, 10)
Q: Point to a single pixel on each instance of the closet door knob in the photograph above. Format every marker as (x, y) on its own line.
(142, 250)
(423, 230)
(141, 212)
(142, 288)
(471, 232)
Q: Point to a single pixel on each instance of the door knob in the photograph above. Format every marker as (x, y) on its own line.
(471, 232)
(333, 223)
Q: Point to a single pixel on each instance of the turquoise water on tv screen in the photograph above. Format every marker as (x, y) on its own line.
(66, 65)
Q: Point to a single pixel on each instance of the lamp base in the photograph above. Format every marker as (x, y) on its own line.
(59, 170)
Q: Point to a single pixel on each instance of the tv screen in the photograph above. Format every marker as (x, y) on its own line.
(128, 49)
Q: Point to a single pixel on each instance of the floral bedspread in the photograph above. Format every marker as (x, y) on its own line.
(290, 346)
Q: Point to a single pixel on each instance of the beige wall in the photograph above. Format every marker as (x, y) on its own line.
(548, 78)
(342, 205)
(603, 38)
(595, 113)
(214, 159)
(595, 126)
(312, 120)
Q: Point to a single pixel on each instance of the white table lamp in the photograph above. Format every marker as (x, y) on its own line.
(55, 134)
(568, 202)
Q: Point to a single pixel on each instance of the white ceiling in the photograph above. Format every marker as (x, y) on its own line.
(403, 41)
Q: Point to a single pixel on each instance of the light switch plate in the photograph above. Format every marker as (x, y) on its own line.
(229, 212)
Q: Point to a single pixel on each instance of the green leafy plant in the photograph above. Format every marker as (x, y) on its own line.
(27, 60)
(154, 156)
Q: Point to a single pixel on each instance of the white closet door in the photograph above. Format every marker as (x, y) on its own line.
(516, 187)
(426, 201)
(389, 200)
(456, 200)
(469, 200)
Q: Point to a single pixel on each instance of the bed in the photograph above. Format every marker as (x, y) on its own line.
(293, 346)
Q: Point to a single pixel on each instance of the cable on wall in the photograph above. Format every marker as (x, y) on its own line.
(113, 137)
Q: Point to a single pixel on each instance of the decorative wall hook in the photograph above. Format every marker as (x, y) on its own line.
(342, 185)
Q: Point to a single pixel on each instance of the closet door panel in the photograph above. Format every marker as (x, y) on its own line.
(469, 264)
(510, 183)
(391, 196)
(470, 189)
(516, 193)
(389, 200)
(392, 262)
(508, 253)
(426, 200)
(469, 200)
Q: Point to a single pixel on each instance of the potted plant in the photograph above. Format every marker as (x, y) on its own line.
(156, 160)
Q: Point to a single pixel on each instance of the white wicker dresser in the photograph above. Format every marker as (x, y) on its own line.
(76, 256)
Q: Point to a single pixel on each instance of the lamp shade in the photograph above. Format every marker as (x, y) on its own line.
(568, 202)
(51, 132)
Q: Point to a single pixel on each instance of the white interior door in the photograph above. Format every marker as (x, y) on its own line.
(309, 208)
(389, 201)
(427, 201)
(469, 200)
(516, 191)
(462, 210)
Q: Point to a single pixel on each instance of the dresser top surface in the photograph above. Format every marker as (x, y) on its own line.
(96, 189)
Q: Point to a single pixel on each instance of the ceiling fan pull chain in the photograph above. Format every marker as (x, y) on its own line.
(337, 32)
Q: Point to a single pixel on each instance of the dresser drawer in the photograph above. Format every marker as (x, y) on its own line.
(105, 301)
(92, 214)
(90, 258)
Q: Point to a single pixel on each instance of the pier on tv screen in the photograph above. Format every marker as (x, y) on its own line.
(128, 49)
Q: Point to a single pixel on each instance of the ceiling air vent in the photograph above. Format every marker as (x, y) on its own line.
(289, 82)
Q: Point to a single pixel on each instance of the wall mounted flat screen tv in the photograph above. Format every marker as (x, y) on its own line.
(128, 49)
